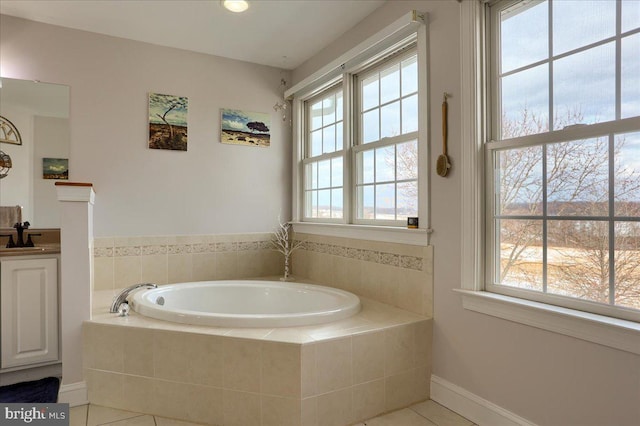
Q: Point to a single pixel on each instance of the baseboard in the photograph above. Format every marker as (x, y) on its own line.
(74, 394)
(471, 406)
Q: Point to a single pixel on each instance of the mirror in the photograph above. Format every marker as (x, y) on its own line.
(40, 114)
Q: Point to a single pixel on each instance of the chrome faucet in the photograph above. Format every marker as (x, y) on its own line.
(121, 299)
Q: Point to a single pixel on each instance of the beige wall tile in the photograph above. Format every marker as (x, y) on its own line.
(368, 357)
(155, 269)
(333, 363)
(103, 273)
(205, 404)
(78, 415)
(205, 359)
(138, 351)
(335, 408)
(368, 399)
(171, 399)
(170, 355)
(404, 389)
(138, 394)
(249, 263)
(180, 268)
(319, 268)
(281, 369)
(104, 388)
(424, 338)
(241, 364)
(277, 411)
(104, 347)
(204, 266)
(103, 242)
(241, 408)
(127, 271)
(400, 346)
(309, 377)
(309, 411)
(226, 265)
(411, 289)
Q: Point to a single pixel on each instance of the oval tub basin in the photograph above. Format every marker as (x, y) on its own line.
(234, 304)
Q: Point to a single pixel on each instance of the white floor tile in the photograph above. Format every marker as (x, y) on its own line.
(161, 421)
(99, 415)
(135, 421)
(440, 415)
(404, 417)
(78, 415)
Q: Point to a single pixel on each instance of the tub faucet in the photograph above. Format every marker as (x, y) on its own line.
(121, 299)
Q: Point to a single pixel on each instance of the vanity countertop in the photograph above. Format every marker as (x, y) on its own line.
(23, 251)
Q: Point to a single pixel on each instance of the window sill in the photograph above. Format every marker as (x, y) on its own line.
(389, 234)
(607, 331)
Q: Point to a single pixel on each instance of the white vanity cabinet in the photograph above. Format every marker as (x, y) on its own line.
(28, 311)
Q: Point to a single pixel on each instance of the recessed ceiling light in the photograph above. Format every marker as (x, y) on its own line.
(236, 5)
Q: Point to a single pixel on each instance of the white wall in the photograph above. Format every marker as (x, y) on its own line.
(16, 188)
(51, 140)
(547, 378)
(211, 188)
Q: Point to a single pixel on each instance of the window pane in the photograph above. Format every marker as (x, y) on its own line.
(316, 143)
(407, 160)
(365, 202)
(525, 102)
(519, 181)
(390, 120)
(577, 23)
(370, 126)
(339, 106)
(630, 15)
(627, 245)
(407, 200)
(370, 93)
(631, 75)
(312, 204)
(390, 84)
(578, 259)
(328, 110)
(324, 174)
(522, 29)
(324, 203)
(385, 164)
(520, 253)
(336, 172)
(578, 178)
(410, 76)
(314, 175)
(584, 86)
(336, 203)
(627, 175)
(339, 136)
(329, 139)
(316, 115)
(410, 114)
(366, 167)
(386, 202)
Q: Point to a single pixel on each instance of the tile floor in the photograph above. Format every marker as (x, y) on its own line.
(427, 413)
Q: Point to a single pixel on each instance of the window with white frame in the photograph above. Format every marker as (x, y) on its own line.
(563, 155)
(370, 141)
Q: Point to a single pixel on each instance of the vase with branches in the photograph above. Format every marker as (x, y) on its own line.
(284, 243)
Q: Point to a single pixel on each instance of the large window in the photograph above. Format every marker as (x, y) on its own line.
(563, 184)
(360, 162)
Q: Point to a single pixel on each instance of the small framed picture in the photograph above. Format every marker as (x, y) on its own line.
(55, 168)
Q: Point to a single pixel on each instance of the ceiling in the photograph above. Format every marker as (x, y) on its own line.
(279, 33)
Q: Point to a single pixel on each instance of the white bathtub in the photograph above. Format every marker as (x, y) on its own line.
(246, 303)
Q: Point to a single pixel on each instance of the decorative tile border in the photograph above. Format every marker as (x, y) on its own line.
(400, 261)
(179, 248)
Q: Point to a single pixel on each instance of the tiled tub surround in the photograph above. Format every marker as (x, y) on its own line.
(400, 275)
(333, 374)
(120, 262)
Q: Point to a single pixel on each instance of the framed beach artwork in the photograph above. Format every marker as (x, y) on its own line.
(55, 168)
(168, 122)
(245, 128)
